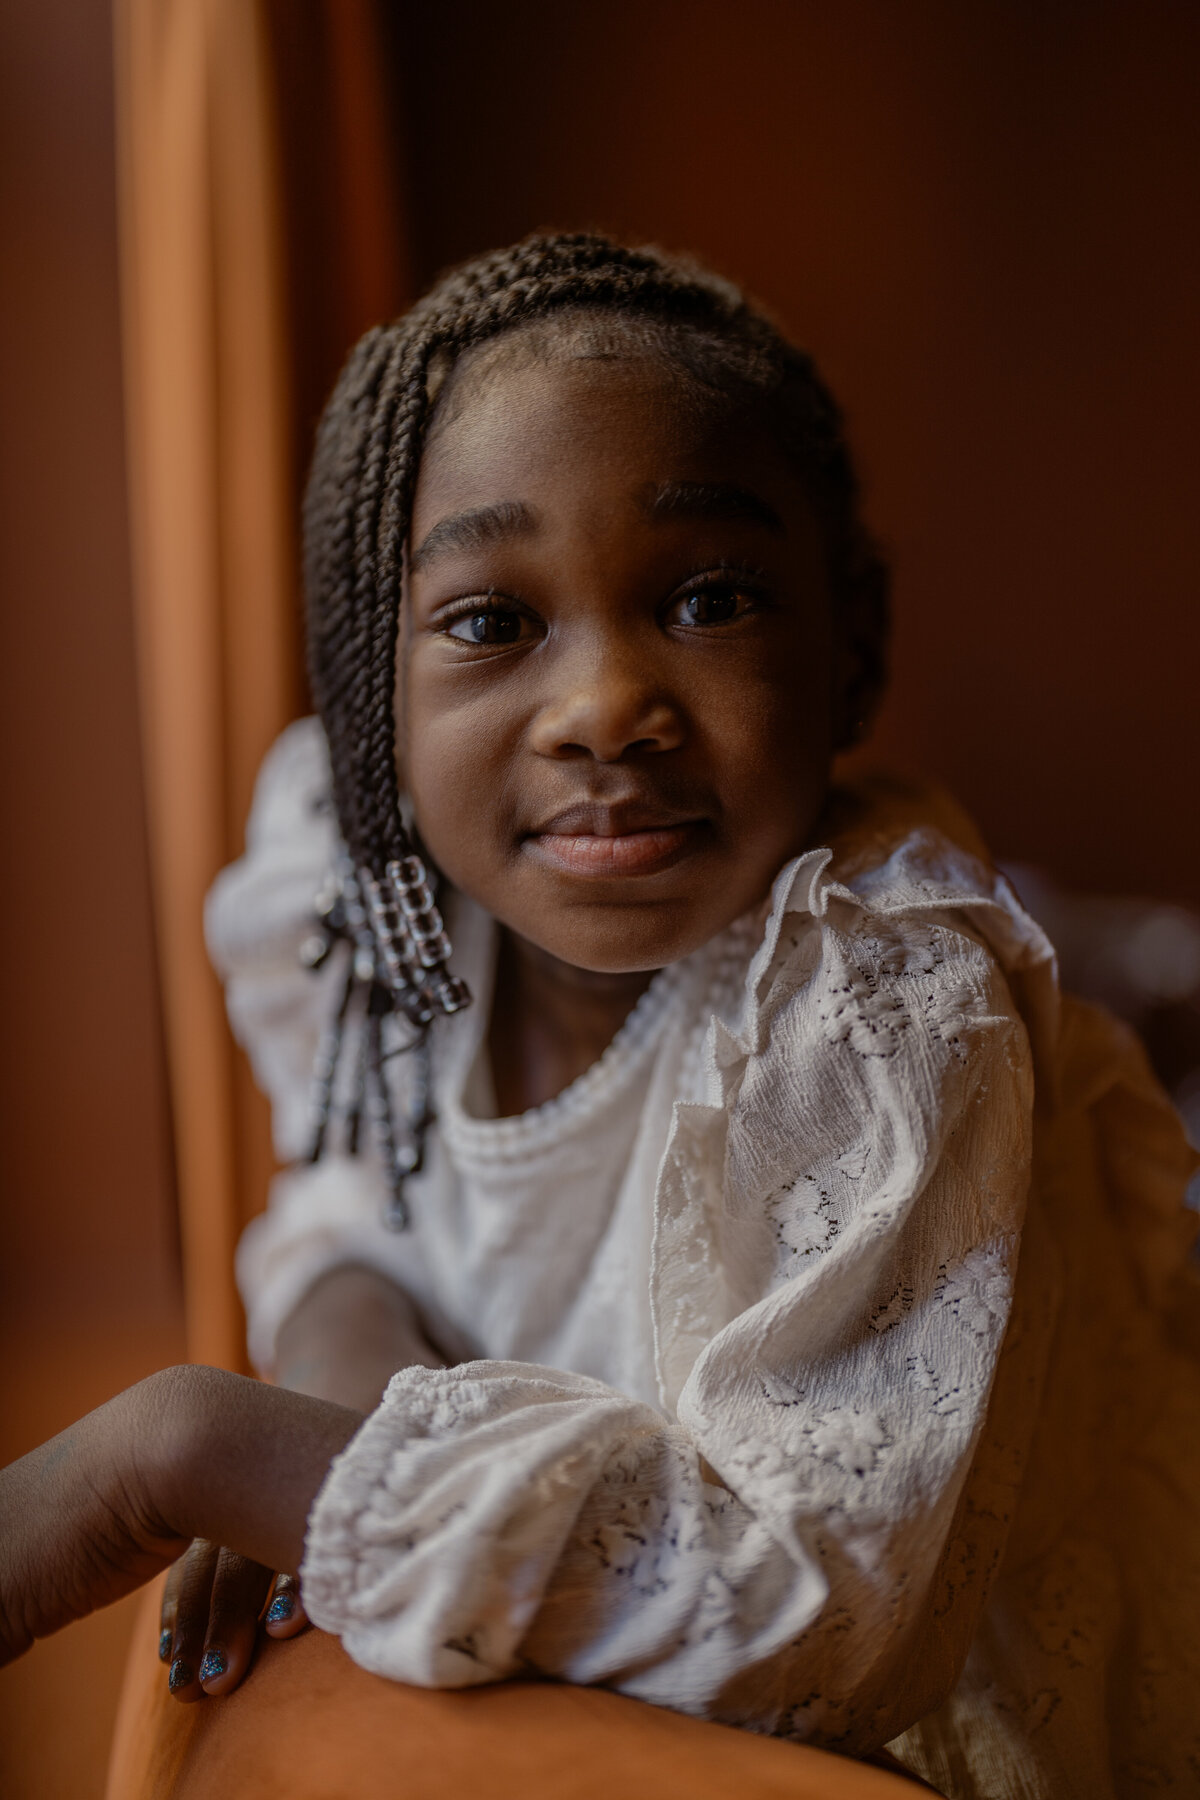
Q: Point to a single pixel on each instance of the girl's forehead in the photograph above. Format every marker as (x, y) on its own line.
(619, 450)
(559, 406)
(561, 354)
(572, 334)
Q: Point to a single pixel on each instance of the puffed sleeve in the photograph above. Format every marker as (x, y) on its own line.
(259, 912)
(781, 1545)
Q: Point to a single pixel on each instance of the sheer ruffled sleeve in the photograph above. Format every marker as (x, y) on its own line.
(782, 1544)
(259, 913)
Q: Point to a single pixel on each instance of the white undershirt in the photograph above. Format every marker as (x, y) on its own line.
(535, 1231)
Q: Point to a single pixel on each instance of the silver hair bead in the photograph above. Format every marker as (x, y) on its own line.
(389, 935)
(396, 949)
(424, 926)
(428, 944)
(407, 871)
(450, 993)
(413, 900)
(398, 929)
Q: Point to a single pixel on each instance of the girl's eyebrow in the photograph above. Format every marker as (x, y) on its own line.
(712, 500)
(474, 530)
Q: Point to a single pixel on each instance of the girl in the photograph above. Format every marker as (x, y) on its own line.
(769, 1274)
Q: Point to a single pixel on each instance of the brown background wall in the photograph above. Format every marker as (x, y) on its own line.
(88, 1280)
(982, 220)
(83, 1145)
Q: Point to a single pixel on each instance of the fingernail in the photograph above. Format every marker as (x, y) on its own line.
(181, 1675)
(166, 1638)
(281, 1608)
(212, 1664)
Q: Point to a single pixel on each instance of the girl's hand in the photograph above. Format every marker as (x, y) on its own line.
(344, 1341)
(212, 1608)
(188, 1453)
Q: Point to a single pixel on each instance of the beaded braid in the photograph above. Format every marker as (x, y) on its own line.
(356, 523)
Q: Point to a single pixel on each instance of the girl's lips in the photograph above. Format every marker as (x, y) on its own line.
(629, 853)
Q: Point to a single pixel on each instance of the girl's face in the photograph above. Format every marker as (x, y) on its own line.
(617, 672)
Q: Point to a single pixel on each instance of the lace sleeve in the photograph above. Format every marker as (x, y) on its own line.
(259, 912)
(783, 1546)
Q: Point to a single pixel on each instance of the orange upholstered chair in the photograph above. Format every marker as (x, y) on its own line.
(308, 1724)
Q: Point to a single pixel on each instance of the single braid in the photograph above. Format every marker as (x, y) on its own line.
(359, 500)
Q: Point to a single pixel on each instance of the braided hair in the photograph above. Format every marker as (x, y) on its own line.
(359, 500)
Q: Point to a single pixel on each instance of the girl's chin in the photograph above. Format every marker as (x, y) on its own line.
(621, 939)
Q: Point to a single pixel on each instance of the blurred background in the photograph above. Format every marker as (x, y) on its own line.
(982, 220)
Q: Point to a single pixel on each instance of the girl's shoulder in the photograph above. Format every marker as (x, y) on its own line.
(896, 860)
(917, 928)
(262, 904)
(896, 938)
(293, 791)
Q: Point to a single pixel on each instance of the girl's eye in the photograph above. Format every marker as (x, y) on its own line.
(715, 604)
(490, 625)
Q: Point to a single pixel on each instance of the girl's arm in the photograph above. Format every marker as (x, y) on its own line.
(346, 1338)
(191, 1452)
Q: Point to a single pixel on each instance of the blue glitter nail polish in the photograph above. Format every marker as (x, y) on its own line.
(181, 1675)
(166, 1638)
(281, 1608)
(213, 1663)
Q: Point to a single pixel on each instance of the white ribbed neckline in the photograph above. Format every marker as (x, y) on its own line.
(715, 973)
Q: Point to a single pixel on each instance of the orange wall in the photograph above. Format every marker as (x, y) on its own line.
(86, 1223)
(982, 218)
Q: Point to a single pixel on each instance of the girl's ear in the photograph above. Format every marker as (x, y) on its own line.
(862, 634)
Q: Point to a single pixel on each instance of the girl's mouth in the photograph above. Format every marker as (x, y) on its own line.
(645, 852)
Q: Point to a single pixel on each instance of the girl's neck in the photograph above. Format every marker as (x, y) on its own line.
(550, 1022)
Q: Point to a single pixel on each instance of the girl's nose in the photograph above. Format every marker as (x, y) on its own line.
(606, 713)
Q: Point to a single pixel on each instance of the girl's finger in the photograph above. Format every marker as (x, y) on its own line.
(285, 1616)
(166, 1619)
(238, 1591)
(196, 1571)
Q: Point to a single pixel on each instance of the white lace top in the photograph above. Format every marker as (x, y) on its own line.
(751, 1415)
